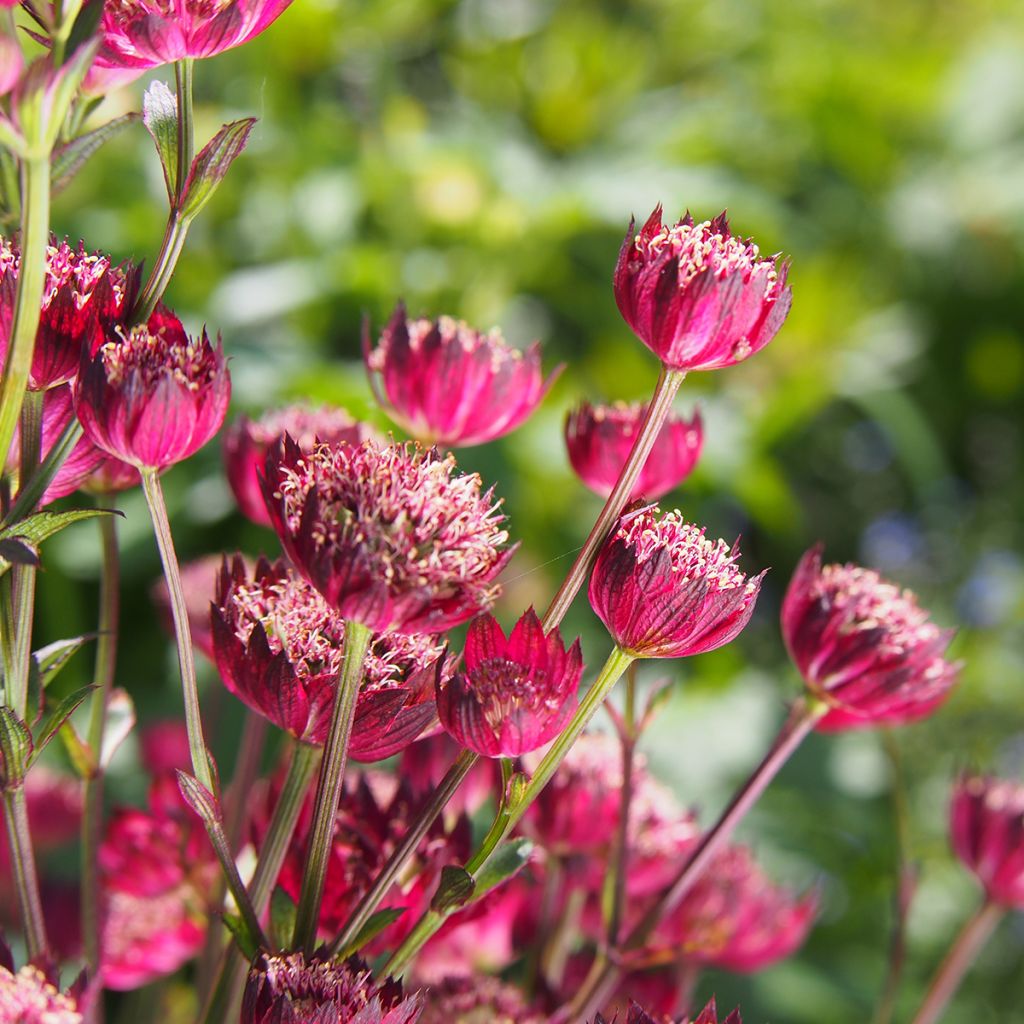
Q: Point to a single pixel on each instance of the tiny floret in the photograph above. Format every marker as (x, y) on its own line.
(27, 997)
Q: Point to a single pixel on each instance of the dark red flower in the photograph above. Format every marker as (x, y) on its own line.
(246, 443)
(477, 999)
(512, 695)
(447, 384)
(600, 438)
(696, 296)
(428, 760)
(664, 590)
(153, 396)
(279, 647)
(864, 646)
(987, 827)
(390, 535)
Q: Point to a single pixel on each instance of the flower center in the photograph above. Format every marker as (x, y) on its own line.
(154, 355)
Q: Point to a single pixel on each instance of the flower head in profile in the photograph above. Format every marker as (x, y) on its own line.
(478, 999)
(513, 694)
(279, 647)
(864, 646)
(600, 438)
(151, 395)
(450, 385)
(664, 590)
(987, 828)
(696, 295)
(391, 536)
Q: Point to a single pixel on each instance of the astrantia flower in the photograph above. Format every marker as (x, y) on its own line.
(696, 296)
(477, 999)
(279, 648)
(246, 443)
(289, 989)
(513, 695)
(864, 646)
(987, 827)
(600, 438)
(28, 997)
(390, 535)
(151, 395)
(447, 384)
(664, 590)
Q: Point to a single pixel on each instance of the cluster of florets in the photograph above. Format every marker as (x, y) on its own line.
(29, 997)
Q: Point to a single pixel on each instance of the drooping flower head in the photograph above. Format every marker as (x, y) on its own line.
(600, 438)
(864, 646)
(987, 828)
(246, 443)
(515, 693)
(664, 590)
(450, 385)
(29, 997)
(390, 535)
(279, 647)
(291, 989)
(478, 999)
(696, 295)
(151, 395)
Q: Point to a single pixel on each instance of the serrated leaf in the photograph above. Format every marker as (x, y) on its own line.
(80, 754)
(49, 660)
(64, 710)
(455, 889)
(42, 525)
(160, 116)
(283, 912)
(16, 749)
(119, 724)
(200, 799)
(69, 158)
(377, 923)
(509, 859)
(211, 164)
(247, 943)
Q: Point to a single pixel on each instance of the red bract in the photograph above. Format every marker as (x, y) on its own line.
(513, 695)
(864, 646)
(600, 438)
(151, 395)
(290, 989)
(480, 998)
(82, 294)
(246, 443)
(664, 590)
(390, 535)
(279, 648)
(696, 296)
(987, 827)
(199, 580)
(447, 384)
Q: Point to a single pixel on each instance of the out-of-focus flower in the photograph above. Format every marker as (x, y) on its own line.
(513, 695)
(475, 1000)
(11, 61)
(29, 997)
(663, 590)
(987, 827)
(696, 296)
(199, 580)
(290, 989)
(864, 646)
(246, 443)
(111, 476)
(151, 395)
(390, 535)
(447, 384)
(600, 438)
(279, 648)
(428, 760)
(164, 747)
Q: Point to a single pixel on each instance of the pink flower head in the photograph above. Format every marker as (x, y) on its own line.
(447, 384)
(11, 60)
(390, 535)
(279, 648)
(987, 826)
(289, 989)
(199, 580)
(697, 296)
(428, 760)
(600, 438)
(664, 590)
(246, 443)
(164, 747)
(864, 646)
(82, 294)
(513, 695)
(29, 997)
(468, 1000)
(141, 34)
(151, 395)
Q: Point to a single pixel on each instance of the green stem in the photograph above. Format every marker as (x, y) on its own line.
(23, 867)
(30, 492)
(186, 120)
(186, 660)
(328, 790)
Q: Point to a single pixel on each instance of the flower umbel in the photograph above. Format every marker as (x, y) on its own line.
(27, 997)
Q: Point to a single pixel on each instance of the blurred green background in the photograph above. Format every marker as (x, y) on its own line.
(482, 158)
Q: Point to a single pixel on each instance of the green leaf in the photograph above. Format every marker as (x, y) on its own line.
(10, 138)
(49, 660)
(15, 551)
(160, 116)
(64, 710)
(455, 889)
(36, 528)
(283, 912)
(80, 754)
(247, 943)
(507, 861)
(86, 24)
(16, 749)
(377, 923)
(69, 158)
(62, 88)
(200, 799)
(120, 722)
(212, 163)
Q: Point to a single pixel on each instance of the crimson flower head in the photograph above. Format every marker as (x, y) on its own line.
(279, 647)
(987, 826)
(151, 395)
(246, 443)
(864, 646)
(514, 694)
(390, 535)
(447, 384)
(663, 590)
(697, 296)
(709, 1015)
(82, 294)
(600, 438)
